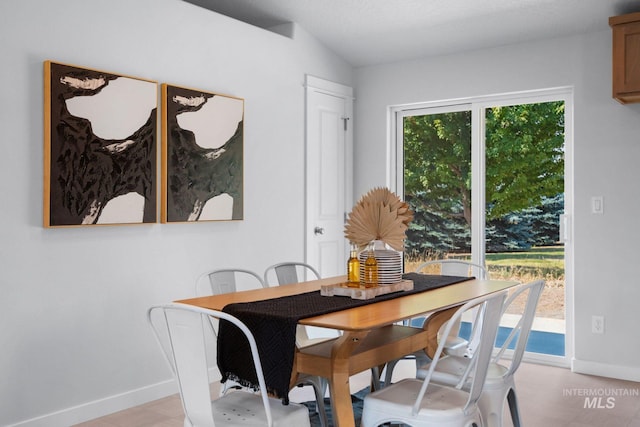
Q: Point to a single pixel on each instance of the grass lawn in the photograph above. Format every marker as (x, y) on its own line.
(537, 263)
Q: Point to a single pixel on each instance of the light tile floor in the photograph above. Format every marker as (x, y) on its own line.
(548, 397)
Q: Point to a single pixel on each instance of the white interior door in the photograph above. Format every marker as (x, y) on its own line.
(328, 174)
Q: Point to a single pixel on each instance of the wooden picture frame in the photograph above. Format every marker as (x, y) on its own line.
(202, 155)
(100, 139)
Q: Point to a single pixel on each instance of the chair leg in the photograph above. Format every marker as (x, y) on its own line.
(389, 372)
(319, 389)
(421, 359)
(375, 378)
(513, 407)
(491, 404)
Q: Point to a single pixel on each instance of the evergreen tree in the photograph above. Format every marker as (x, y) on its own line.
(524, 178)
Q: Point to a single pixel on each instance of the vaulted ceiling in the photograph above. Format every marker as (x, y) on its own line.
(368, 32)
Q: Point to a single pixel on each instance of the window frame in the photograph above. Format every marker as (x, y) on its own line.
(478, 106)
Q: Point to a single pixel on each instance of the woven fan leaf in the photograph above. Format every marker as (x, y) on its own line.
(405, 213)
(386, 222)
(381, 195)
(379, 215)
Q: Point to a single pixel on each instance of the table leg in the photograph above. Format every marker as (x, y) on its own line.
(354, 352)
(339, 381)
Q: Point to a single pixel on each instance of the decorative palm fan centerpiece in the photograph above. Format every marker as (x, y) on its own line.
(381, 217)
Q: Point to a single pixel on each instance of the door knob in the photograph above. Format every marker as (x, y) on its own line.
(318, 230)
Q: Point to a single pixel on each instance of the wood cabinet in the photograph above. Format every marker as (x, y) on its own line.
(626, 57)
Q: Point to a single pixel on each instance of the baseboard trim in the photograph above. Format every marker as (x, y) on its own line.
(628, 373)
(546, 359)
(99, 408)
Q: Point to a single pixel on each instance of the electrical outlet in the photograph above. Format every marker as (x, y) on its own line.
(597, 205)
(597, 324)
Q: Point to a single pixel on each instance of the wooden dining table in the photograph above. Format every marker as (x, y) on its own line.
(371, 334)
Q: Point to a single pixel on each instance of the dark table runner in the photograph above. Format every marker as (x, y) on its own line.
(273, 324)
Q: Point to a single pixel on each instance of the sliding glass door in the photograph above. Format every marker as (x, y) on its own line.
(436, 148)
(487, 181)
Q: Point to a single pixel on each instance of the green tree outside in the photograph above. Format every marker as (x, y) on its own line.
(524, 177)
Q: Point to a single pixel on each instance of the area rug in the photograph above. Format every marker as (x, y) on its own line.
(357, 400)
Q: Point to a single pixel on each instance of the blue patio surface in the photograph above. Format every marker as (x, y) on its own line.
(539, 341)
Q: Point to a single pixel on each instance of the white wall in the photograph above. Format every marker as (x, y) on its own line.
(607, 153)
(72, 301)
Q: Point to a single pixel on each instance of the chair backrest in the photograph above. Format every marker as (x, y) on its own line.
(520, 332)
(289, 272)
(179, 331)
(490, 307)
(457, 267)
(286, 273)
(454, 267)
(224, 281)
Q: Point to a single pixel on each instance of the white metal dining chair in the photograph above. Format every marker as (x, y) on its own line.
(421, 402)
(499, 386)
(456, 267)
(454, 343)
(222, 281)
(180, 332)
(286, 273)
(453, 267)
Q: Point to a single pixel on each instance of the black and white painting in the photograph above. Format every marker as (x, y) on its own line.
(202, 155)
(100, 147)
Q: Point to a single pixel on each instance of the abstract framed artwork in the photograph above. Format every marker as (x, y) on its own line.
(202, 156)
(100, 158)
